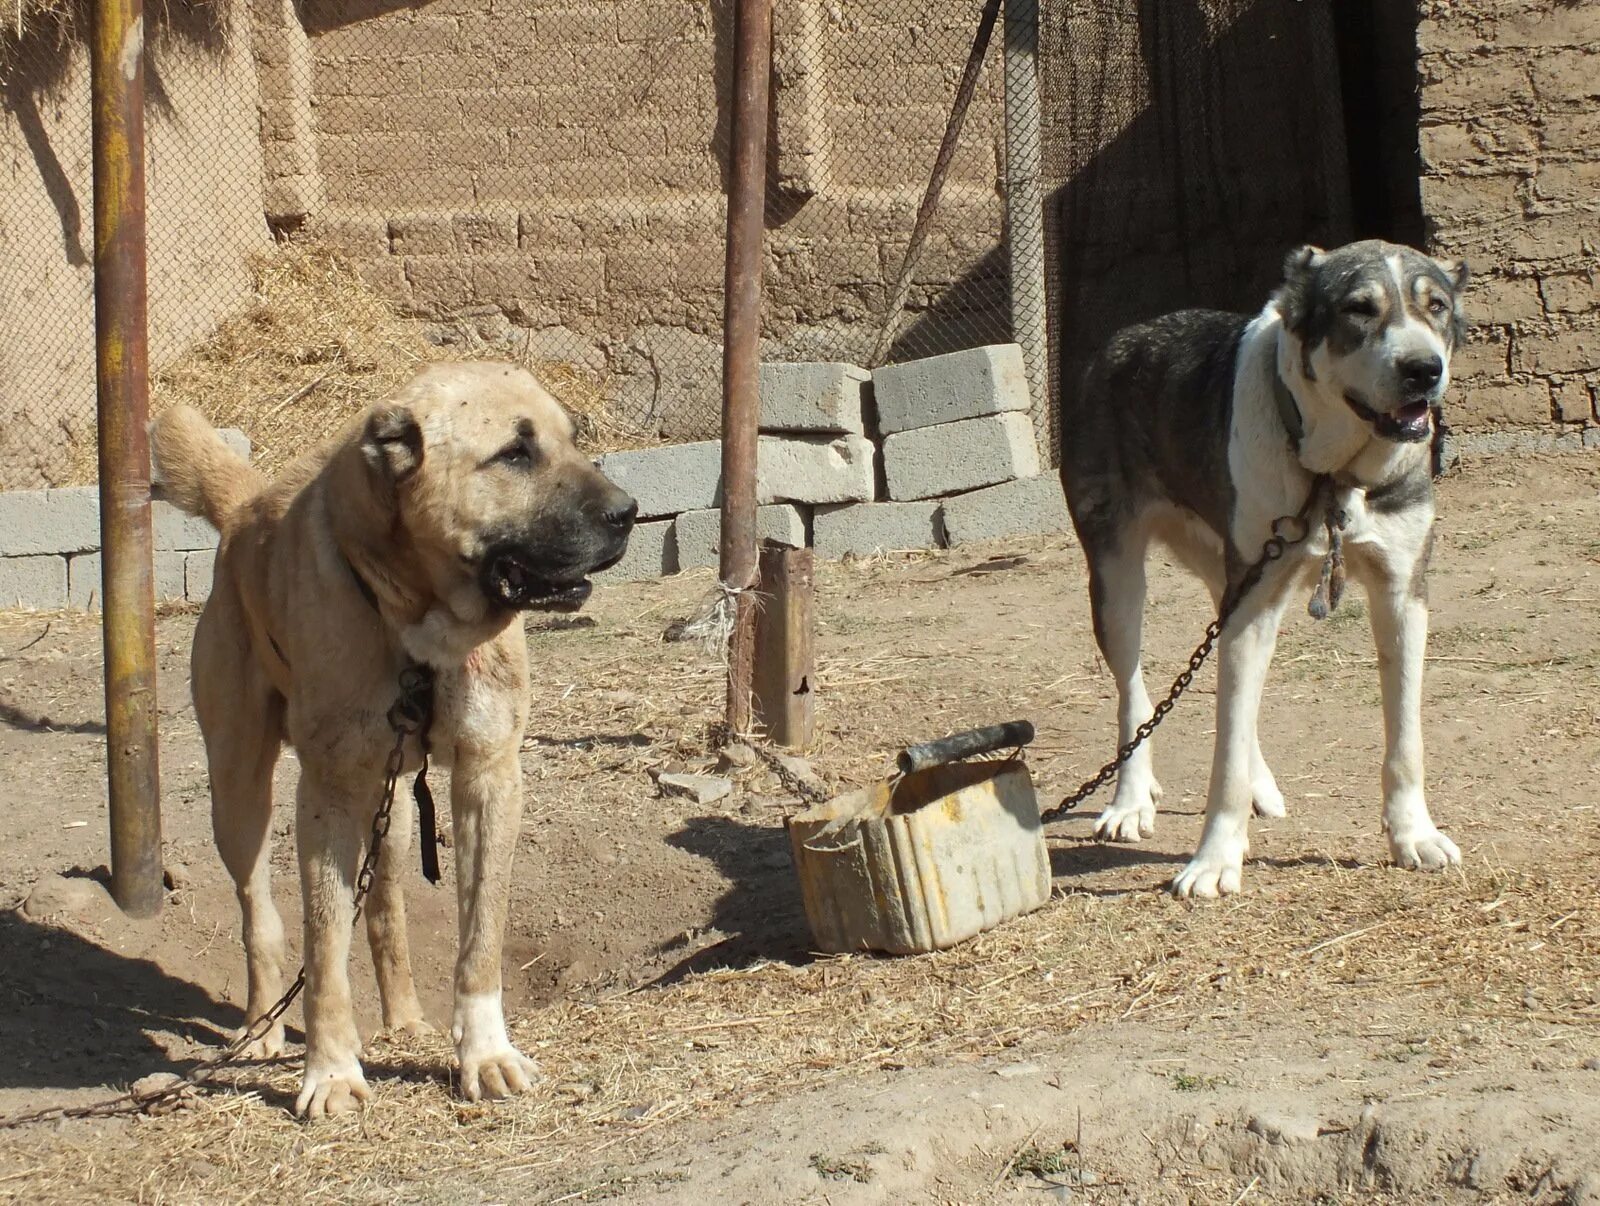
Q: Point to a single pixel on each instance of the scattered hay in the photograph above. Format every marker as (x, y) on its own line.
(1488, 953)
(316, 346)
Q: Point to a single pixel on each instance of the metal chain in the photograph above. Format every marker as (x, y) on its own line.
(410, 715)
(1277, 544)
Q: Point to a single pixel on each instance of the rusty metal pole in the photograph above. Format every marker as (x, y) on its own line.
(121, 370)
(741, 341)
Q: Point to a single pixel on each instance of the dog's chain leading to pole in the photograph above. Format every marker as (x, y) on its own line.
(1277, 544)
(410, 715)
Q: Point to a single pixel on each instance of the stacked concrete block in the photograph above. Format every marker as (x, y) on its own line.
(652, 553)
(699, 533)
(815, 469)
(862, 529)
(1028, 506)
(927, 462)
(958, 464)
(199, 568)
(50, 546)
(946, 389)
(84, 577)
(35, 581)
(668, 479)
(813, 398)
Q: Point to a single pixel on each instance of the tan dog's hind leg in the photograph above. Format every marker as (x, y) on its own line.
(331, 828)
(386, 922)
(241, 718)
(486, 815)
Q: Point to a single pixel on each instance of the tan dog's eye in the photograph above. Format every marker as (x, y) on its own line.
(519, 454)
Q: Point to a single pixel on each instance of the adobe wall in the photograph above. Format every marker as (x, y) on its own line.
(203, 182)
(557, 167)
(1511, 161)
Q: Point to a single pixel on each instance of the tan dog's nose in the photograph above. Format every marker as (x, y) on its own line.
(623, 515)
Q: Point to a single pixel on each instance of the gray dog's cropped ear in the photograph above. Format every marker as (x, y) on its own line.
(1457, 271)
(1295, 294)
(392, 442)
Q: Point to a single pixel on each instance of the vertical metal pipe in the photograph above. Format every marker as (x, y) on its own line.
(1025, 205)
(121, 366)
(741, 340)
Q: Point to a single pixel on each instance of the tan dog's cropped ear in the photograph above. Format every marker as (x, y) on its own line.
(392, 442)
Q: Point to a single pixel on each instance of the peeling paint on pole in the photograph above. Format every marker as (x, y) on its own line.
(133, 48)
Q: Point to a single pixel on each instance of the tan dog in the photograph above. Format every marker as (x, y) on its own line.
(418, 536)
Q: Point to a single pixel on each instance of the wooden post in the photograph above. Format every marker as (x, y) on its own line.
(133, 780)
(785, 671)
(741, 341)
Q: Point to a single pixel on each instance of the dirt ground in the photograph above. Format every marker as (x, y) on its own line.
(1340, 1031)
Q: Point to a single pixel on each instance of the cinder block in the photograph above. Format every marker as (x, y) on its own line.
(812, 397)
(176, 532)
(49, 521)
(652, 553)
(956, 457)
(84, 578)
(670, 479)
(1033, 506)
(700, 532)
(199, 568)
(38, 582)
(944, 389)
(815, 469)
(867, 528)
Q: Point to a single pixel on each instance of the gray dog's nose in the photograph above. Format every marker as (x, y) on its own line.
(1421, 372)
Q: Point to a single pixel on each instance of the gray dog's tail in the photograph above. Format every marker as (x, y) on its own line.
(199, 473)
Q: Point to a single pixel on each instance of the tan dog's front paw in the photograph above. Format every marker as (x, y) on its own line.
(503, 1074)
(268, 1046)
(332, 1091)
(489, 1065)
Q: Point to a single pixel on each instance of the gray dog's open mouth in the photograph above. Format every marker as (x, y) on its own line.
(1408, 425)
(510, 581)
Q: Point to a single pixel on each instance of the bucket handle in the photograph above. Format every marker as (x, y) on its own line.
(1014, 734)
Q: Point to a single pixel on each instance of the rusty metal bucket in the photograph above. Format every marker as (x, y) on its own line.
(930, 856)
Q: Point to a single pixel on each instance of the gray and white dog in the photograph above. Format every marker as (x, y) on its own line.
(1200, 429)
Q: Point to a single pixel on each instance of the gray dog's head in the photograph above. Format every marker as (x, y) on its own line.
(1376, 323)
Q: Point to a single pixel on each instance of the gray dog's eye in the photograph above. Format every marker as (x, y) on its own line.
(1361, 307)
(1437, 305)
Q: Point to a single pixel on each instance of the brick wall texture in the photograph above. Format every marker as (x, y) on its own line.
(561, 165)
(551, 171)
(1511, 181)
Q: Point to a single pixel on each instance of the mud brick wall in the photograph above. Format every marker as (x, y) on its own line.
(558, 168)
(203, 190)
(1510, 145)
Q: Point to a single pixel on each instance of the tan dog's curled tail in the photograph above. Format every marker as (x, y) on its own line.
(199, 473)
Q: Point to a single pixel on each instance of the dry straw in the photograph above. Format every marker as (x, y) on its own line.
(315, 346)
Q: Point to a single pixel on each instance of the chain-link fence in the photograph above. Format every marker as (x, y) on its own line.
(340, 189)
